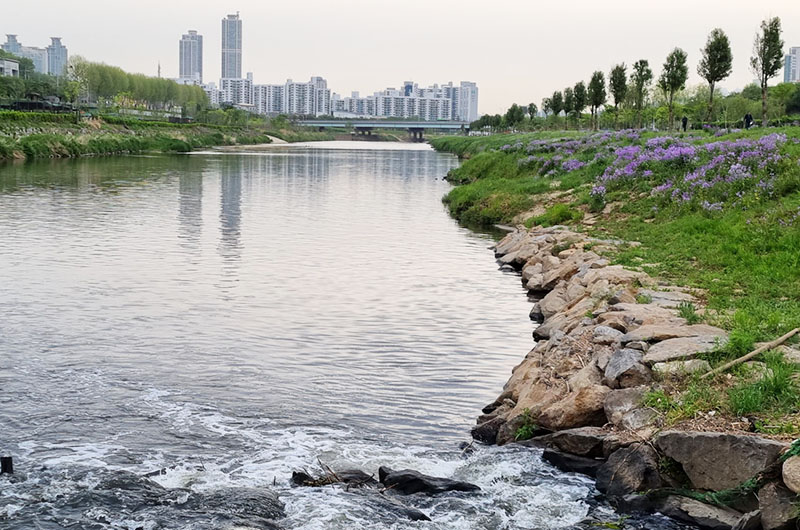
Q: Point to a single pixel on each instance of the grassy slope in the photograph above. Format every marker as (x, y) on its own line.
(746, 257)
(41, 135)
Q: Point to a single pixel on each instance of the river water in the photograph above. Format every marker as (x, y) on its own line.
(227, 318)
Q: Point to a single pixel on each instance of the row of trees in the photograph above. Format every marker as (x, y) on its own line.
(633, 93)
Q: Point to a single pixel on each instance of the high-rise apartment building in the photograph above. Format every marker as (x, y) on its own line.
(37, 55)
(57, 57)
(231, 47)
(237, 91)
(791, 66)
(191, 58)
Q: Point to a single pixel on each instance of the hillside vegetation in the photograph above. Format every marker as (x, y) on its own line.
(715, 211)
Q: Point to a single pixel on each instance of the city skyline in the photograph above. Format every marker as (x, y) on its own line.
(520, 58)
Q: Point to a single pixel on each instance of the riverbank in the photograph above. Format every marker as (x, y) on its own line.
(43, 135)
(617, 372)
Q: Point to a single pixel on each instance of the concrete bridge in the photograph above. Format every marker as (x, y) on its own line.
(414, 128)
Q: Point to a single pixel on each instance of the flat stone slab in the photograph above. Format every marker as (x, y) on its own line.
(692, 366)
(671, 299)
(660, 332)
(680, 348)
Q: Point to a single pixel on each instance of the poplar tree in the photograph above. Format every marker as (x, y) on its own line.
(767, 58)
(641, 77)
(673, 78)
(569, 103)
(597, 94)
(618, 84)
(580, 99)
(716, 63)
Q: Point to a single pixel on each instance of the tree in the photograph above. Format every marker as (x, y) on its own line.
(641, 77)
(580, 99)
(514, 115)
(557, 102)
(767, 58)
(569, 103)
(597, 94)
(546, 106)
(673, 79)
(532, 110)
(618, 84)
(716, 63)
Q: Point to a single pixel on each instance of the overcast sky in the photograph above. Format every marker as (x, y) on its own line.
(516, 50)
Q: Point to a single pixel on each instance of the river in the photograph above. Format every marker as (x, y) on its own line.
(229, 318)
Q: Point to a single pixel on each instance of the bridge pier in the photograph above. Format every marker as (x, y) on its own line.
(416, 134)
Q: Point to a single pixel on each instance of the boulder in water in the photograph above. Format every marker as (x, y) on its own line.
(407, 481)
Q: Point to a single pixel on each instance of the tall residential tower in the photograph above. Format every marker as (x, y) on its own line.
(231, 47)
(56, 57)
(791, 69)
(191, 58)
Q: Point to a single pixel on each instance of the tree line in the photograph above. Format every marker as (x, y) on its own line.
(92, 83)
(631, 98)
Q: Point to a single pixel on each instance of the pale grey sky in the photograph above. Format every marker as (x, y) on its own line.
(516, 50)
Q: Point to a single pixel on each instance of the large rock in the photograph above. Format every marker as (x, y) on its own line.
(583, 407)
(606, 335)
(699, 514)
(790, 473)
(625, 369)
(486, 432)
(572, 463)
(408, 481)
(555, 301)
(671, 299)
(682, 348)
(777, 506)
(659, 332)
(629, 470)
(749, 521)
(620, 402)
(583, 441)
(707, 457)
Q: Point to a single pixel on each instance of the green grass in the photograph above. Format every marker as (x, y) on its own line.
(687, 311)
(558, 214)
(775, 391)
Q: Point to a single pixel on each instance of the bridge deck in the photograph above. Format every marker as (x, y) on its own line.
(386, 124)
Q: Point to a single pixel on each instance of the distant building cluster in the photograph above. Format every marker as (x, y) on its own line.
(791, 66)
(313, 97)
(49, 60)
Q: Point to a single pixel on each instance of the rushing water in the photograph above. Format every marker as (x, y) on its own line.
(229, 318)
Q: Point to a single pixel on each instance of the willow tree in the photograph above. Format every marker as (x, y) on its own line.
(597, 94)
(767, 58)
(618, 85)
(581, 99)
(716, 63)
(673, 78)
(641, 77)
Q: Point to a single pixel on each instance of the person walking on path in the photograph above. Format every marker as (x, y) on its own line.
(684, 122)
(748, 120)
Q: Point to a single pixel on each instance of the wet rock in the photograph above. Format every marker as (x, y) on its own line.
(349, 477)
(583, 407)
(486, 432)
(620, 402)
(706, 456)
(250, 507)
(606, 335)
(692, 366)
(408, 481)
(572, 463)
(660, 332)
(679, 349)
(791, 473)
(536, 313)
(628, 470)
(391, 508)
(776, 504)
(583, 441)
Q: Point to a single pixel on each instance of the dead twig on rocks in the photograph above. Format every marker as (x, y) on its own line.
(762, 349)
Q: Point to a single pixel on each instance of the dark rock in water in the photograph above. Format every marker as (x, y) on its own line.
(253, 507)
(486, 432)
(629, 470)
(407, 481)
(581, 441)
(350, 477)
(572, 463)
(749, 521)
(466, 448)
(386, 505)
